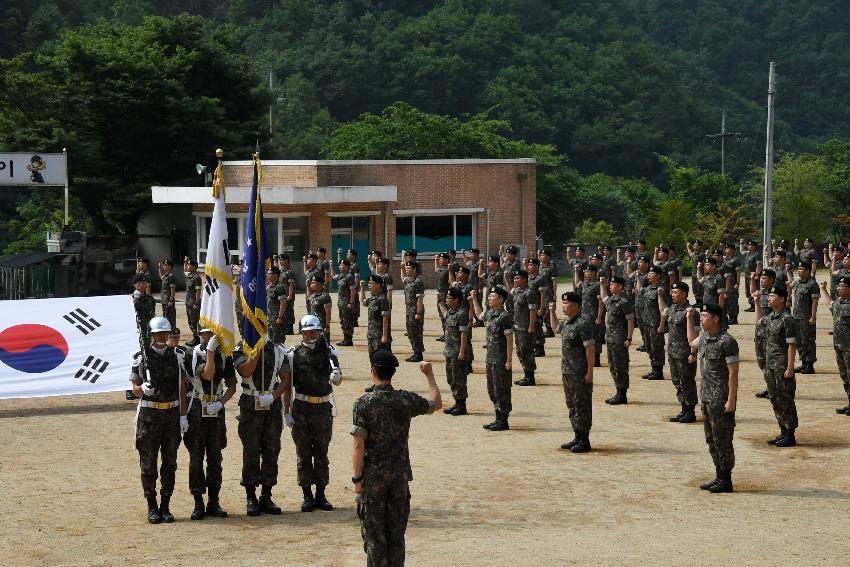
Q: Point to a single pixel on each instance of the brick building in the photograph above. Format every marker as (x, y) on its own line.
(429, 205)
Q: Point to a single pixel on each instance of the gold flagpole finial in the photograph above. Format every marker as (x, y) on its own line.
(218, 176)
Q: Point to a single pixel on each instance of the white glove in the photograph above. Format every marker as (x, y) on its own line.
(336, 377)
(266, 400)
(214, 407)
(184, 424)
(288, 421)
(137, 294)
(148, 389)
(211, 346)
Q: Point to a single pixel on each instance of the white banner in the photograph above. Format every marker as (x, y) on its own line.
(75, 345)
(33, 169)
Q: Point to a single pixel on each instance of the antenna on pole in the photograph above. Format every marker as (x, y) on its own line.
(768, 165)
(723, 135)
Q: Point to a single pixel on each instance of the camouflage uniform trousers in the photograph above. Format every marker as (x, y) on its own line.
(719, 428)
(311, 434)
(696, 288)
(289, 318)
(539, 337)
(170, 313)
(782, 394)
(456, 374)
(599, 336)
(807, 347)
(525, 349)
(376, 344)
(260, 433)
(683, 374)
(655, 348)
(499, 387)
(441, 309)
(383, 509)
(193, 315)
(618, 363)
(732, 306)
(415, 330)
(206, 436)
(277, 332)
(346, 321)
(578, 394)
(152, 439)
(842, 358)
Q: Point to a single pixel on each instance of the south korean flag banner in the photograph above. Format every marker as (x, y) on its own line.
(76, 345)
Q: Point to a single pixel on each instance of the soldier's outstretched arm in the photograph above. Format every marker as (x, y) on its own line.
(478, 309)
(433, 390)
(553, 317)
(693, 336)
(825, 291)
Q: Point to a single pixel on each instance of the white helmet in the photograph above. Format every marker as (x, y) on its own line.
(309, 323)
(160, 325)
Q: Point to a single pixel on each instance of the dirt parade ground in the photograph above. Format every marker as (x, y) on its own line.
(70, 492)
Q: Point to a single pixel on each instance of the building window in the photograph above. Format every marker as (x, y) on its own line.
(430, 234)
(233, 231)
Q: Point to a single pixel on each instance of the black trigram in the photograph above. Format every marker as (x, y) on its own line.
(211, 285)
(82, 321)
(92, 369)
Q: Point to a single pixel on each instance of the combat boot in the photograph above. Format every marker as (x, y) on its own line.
(253, 507)
(528, 380)
(689, 416)
(845, 409)
(492, 423)
(583, 445)
(322, 502)
(154, 517)
(800, 368)
(641, 348)
(679, 415)
(415, 357)
(570, 444)
(460, 408)
(656, 374)
(199, 511)
(722, 485)
(501, 423)
(788, 440)
(213, 507)
(763, 394)
(539, 351)
(308, 504)
(782, 432)
(707, 485)
(267, 506)
(166, 514)
(808, 368)
(449, 410)
(618, 399)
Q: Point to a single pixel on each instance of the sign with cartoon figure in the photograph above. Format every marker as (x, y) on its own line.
(33, 169)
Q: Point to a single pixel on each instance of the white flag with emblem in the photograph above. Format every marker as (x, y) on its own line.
(75, 345)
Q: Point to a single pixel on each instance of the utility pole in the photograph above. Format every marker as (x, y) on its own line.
(768, 165)
(723, 135)
(271, 104)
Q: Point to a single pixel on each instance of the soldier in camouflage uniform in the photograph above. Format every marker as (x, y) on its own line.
(804, 309)
(320, 303)
(808, 254)
(261, 422)
(315, 370)
(493, 276)
(474, 263)
(549, 273)
(640, 279)
(839, 268)
(577, 264)
(682, 371)
(510, 265)
(675, 267)
(537, 287)
(378, 333)
(346, 299)
(381, 459)
(781, 266)
(524, 302)
(577, 356)
(718, 355)
(731, 270)
(276, 299)
(414, 310)
(840, 309)
(169, 291)
(697, 256)
(619, 327)
(760, 300)
(713, 286)
(158, 379)
(781, 336)
(145, 306)
(456, 350)
(752, 266)
(311, 270)
(653, 306)
(591, 306)
(500, 345)
(287, 278)
(193, 298)
(351, 256)
(463, 284)
(324, 264)
(207, 435)
(441, 266)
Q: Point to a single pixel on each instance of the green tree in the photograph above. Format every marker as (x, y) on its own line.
(672, 224)
(724, 225)
(596, 233)
(702, 189)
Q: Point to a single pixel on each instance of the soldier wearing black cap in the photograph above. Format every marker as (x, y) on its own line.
(193, 298)
(510, 265)
(346, 298)
(381, 460)
(457, 350)
(639, 279)
(653, 305)
(804, 308)
(287, 278)
(525, 306)
(378, 332)
(549, 273)
(577, 357)
(719, 358)
(591, 306)
(713, 285)
(752, 266)
(382, 268)
(731, 270)
(538, 287)
(840, 309)
(499, 343)
(577, 263)
(169, 292)
(697, 256)
(682, 371)
(276, 299)
(462, 283)
(351, 256)
(608, 267)
(619, 328)
(781, 337)
(441, 266)
(475, 264)
(414, 309)
(320, 303)
(662, 260)
(808, 254)
(782, 267)
(311, 269)
(760, 300)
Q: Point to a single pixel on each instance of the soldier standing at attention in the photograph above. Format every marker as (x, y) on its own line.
(351, 256)
(466, 298)
(500, 345)
(276, 299)
(510, 265)
(577, 356)
(378, 332)
(169, 292)
(261, 422)
(619, 328)
(414, 308)
(804, 308)
(142, 268)
(697, 258)
(591, 306)
(345, 302)
(456, 350)
(207, 434)
(752, 266)
(713, 285)
(718, 356)
(158, 378)
(473, 262)
(381, 460)
(840, 308)
(193, 298)
(767, 280)
(320, 304)
(314, 372)
(287, 278)
(539, 288)
(781, 336)
(653, 306)
(549, 273)
(731, 270)
(808, 254)
(525, 305)
(441, 266)
(682, 371)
